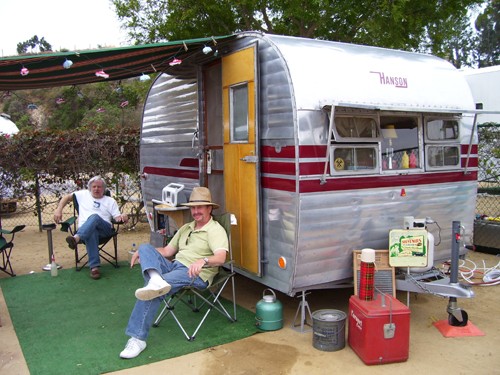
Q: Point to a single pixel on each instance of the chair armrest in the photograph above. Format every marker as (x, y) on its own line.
(65, 225)
(116, 225)
(16, 229)
(228, 263)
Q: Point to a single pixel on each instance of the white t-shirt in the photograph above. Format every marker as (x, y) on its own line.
(106, 207)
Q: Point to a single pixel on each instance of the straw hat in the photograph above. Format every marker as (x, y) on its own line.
(201, 197)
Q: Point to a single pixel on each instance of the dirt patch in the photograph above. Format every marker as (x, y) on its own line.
(273, 358)
(31, 248)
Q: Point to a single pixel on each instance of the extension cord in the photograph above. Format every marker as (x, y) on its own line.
(492, 277)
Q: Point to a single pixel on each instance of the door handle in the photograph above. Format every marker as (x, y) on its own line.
(209, 162)
(250, 159)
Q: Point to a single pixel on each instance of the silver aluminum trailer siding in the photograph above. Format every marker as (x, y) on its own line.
(298, 227)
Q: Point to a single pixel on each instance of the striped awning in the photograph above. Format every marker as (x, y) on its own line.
(48, 69)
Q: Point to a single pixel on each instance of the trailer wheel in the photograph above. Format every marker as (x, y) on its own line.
(453, 321)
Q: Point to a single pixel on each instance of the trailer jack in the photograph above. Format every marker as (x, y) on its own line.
(456, 316)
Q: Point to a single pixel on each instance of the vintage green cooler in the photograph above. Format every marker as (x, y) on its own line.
(269, 312)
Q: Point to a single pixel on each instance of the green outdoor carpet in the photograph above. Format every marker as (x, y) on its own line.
(71, 324)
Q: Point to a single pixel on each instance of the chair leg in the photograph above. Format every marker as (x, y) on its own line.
(169, 309)
(213, 303)
(78, 259)
(233, 286)
(111, 258)
(6, 265)
(115, 244)
(212, 300)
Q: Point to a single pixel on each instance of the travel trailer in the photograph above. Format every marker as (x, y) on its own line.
(318, 148)
(484, 83)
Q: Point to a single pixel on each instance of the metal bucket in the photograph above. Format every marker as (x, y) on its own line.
(329, 330)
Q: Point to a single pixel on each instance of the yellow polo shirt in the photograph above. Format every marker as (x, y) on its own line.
(193, 245)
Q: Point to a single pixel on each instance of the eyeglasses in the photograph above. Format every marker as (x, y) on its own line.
(187, 238)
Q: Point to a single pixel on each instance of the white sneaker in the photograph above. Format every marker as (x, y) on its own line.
(133, 348)
(153, 290)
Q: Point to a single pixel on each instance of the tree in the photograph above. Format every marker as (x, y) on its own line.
(488, 27)
(400, 24)
(453, 39)
(35, 45)
(73, 107)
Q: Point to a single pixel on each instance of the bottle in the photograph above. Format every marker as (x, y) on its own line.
(53, 266)
(413, 160)
(405, 162)
(132, 252)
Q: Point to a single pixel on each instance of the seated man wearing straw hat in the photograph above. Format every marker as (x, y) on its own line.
(199, 243)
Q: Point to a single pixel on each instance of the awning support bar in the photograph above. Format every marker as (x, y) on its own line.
(328, 144)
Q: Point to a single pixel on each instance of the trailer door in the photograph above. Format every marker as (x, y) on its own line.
(241, 156)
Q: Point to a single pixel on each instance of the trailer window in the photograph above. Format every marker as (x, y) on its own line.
(443, 156)
(441, 129)
(359, 159)
(442, 142)
(356, 127)
(239, 113)
(400, 144)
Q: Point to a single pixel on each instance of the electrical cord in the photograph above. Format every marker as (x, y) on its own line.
(429, 221)
(490, 275)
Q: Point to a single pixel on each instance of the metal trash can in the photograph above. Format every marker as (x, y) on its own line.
(329, 330)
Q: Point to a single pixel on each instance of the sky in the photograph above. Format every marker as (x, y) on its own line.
(69, 24)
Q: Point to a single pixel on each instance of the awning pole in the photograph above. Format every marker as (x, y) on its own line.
(470, 143)
(328, 145)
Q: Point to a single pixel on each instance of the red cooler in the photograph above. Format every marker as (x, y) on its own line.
(379, 330)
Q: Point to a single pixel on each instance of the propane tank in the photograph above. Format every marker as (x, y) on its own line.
(269, 312)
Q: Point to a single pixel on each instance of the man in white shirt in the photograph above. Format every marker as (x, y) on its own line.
(95, 211)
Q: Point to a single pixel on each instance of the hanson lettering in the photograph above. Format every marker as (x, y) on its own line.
(385, 79)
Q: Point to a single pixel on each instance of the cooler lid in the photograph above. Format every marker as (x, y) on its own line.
(381, 305)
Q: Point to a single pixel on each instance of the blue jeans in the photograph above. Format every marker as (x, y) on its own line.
(175, 273)
(91, 232)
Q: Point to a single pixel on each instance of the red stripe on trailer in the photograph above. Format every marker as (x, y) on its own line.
(371, 182)
(171, 172)
(365, 182)
(464, 150)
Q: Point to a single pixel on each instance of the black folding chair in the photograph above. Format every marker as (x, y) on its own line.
(110, 256)
(209, 298)
(6, 247)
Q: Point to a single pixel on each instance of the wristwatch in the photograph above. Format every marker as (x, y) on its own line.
(205, 260)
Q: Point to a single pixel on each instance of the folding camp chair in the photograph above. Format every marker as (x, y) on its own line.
(197, 299)
(110, 256)
(6, 247)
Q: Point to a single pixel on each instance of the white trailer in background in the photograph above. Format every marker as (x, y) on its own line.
(484, 84)
(485, 87)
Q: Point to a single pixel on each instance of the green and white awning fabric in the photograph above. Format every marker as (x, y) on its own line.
(89, 66)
